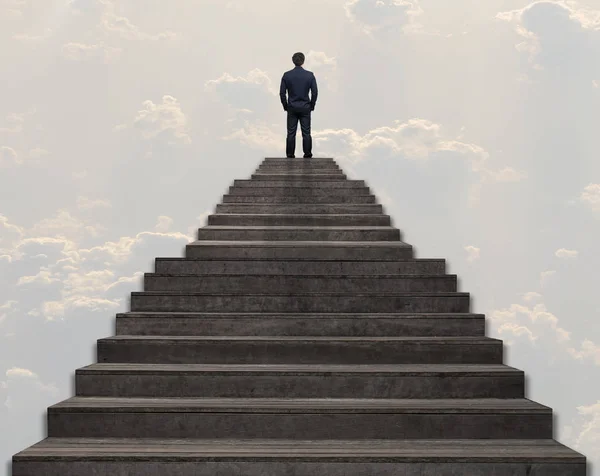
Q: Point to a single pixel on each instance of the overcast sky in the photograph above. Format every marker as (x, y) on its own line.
(475, 123)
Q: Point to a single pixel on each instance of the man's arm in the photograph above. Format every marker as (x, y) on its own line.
(313, 93)
(282, 90)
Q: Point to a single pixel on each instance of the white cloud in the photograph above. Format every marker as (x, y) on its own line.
(473, 253)
(591, 196)
(9, 156)
(532, 296)
(546, 276)
(24, 388)
(564, 253)
(166, 119)
(113, 22)
(81, 51)
(164, 224)
(539, 21)
(84, 203)
(387, 15)
(38, 153)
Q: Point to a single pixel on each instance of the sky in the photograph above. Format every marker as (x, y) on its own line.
(474, 123)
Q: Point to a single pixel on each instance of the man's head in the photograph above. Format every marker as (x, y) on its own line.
(298, 59)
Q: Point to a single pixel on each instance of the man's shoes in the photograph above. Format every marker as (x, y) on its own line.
(308, 156)
(291, 156)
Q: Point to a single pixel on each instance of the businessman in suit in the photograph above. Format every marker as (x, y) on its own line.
(297, 82)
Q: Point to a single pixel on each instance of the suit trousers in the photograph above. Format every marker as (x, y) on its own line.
(295, 115)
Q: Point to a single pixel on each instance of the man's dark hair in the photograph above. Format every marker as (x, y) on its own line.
(298, 59)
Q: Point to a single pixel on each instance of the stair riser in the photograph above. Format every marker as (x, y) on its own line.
(296, 199)
(306, 192)
(273, 467)
(310, 303)
(346, 185)
(277, 169)
(286, 352)
(297, 284)
(285, 326)
(331, 268)
(347, 426)
(321, 209)
(298, 235)
(299, 162)
(275, 220)
(219, 385)
(272, 176)
(299, 252)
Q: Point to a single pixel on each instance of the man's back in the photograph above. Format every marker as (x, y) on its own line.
(298, 82)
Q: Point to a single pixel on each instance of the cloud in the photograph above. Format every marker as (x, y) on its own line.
(541, 328)
(546, 276)
(113, 23)
(532, 296)
(564, 253)
(16, 121)
(591, 196)
(254, 92)
(82, 52)
(473, 253)
(384, 15)
(164, 224)
(9, 156)
(554, 32)
(161, 121)
(583, 434)
(84, 203)
(22, 386)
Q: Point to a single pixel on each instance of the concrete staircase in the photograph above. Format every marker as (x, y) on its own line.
(299, 337)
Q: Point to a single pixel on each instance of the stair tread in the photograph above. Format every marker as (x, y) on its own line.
(307, 261)
(295, 244)
(306, 405)
(152, 448)
(434, 339)
(303, 215)
(308, 315)
(345, 295)
(298, 227)
(312, 275)
(403, 369)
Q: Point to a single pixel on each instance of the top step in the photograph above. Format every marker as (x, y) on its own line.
(300, 162)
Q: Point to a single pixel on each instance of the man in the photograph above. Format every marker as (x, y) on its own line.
(298, 82)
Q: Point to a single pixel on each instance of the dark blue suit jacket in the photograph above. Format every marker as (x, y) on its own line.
(298, 82)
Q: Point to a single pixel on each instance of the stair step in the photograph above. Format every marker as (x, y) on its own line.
(300, 183)
(325, 250)
(361, 209)
(283, 170)
(307, 193)
(299, 350)
(265, 324)
(201, 267)
(299, 233)
(260, 457)
(328, 176)
(281, 284)
(290, 418)
(299, 199)
(299, 161)
(296, 219)
(299, 302)
(349, 186)
(300, 381)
